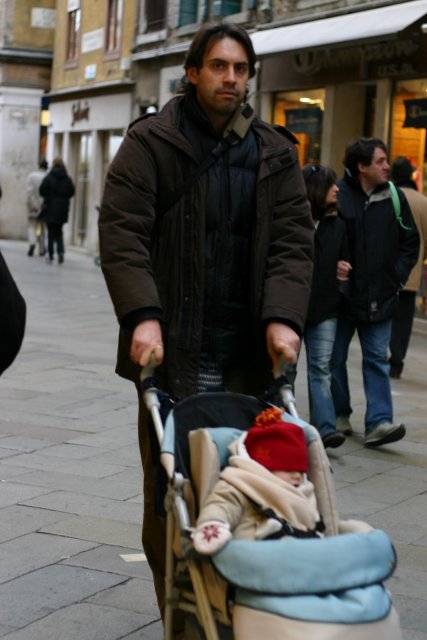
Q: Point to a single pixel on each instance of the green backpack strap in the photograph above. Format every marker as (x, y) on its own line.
(396, 205)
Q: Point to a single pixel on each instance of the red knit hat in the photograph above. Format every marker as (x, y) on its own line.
(280, 446)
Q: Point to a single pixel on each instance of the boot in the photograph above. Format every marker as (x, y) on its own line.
(31, 249)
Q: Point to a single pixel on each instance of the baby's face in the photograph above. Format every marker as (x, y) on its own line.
(295, 478)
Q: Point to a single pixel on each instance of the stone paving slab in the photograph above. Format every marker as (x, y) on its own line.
(109, 558)
(37, 594)
(133, 595)
(150, 632)
(106, 487)
(413, 616)
(12, 493)
(85, 468)
(17, 520)
(108, 438)
(84, 622)
(99, 530)
(58, 433)
(19, 443)
(35, 550)
(94, 506)
(405, 522)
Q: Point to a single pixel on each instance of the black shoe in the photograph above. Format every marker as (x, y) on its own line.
(396, 374)
(31, 250)
(333, 440)
(61, 258)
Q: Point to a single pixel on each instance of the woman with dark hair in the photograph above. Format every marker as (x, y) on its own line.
(330, 278)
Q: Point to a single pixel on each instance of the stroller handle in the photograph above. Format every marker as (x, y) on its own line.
(286, 391)
(148, 386)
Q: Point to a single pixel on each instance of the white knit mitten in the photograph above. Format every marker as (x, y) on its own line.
(210, 536)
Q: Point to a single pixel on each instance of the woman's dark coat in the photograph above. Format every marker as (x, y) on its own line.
(57, 189)
(330, 246)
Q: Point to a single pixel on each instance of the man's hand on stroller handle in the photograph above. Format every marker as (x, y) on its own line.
(282, 343)
(147, 342)
(210, 536)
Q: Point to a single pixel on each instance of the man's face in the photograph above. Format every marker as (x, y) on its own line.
(221, 81)
(375, 173)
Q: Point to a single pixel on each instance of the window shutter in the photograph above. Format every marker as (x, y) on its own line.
(227, 7)
(187, 12)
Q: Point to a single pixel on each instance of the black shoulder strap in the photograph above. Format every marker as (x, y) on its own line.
(235, 131)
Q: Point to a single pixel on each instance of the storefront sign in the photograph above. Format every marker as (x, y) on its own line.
(307, 120)
(309, 62)
(416, 113)
(79, 113)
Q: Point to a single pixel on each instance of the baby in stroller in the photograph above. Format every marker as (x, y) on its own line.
(263, 492)
(264, 552)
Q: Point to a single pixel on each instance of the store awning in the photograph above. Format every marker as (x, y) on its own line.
(360, 25)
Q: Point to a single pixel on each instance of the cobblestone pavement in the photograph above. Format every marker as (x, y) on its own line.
(70, 492)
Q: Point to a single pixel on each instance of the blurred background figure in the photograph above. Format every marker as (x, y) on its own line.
(330, 277)
(402, 174)
(34, 205)
(57, 189)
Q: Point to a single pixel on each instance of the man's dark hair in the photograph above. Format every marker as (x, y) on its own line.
(318, 180)
(361, 151)
(43, 164)
(208, 35)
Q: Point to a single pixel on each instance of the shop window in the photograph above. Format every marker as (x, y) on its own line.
(73, 36)
(302, 114)
(408, 134)
(408, 138)
(226, 7)
(113, 30)
(155, 14)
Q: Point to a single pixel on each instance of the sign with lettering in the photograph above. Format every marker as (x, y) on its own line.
(79, 112)
(416, 113)
(92, 40)
(43, 18)
(306, 120)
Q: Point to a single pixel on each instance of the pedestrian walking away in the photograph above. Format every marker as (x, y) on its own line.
(401, 174)
(206, 244)
(57, 189)
(328, 288)
(36, 231)
(383, 244)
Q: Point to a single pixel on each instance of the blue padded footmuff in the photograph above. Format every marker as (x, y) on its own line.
(304, 566)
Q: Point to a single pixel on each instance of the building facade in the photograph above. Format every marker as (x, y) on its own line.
(26, 44)
(329, 70)
(91, 100)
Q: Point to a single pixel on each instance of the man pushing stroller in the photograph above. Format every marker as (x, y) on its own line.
(206, 243)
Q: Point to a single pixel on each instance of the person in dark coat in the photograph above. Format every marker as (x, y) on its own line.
(57, 189)
(402, 175)
(210, 277)
(330, 275)
(383, 249)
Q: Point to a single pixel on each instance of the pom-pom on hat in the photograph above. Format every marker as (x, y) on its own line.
(280, 446)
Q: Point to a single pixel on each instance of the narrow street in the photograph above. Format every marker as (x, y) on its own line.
(70, 477)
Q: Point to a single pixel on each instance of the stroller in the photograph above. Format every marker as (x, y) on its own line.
(288, 589)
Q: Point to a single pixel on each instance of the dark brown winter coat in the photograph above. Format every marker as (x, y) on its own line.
(143, 253)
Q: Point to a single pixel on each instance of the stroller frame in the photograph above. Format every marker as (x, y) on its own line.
(185, 587)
